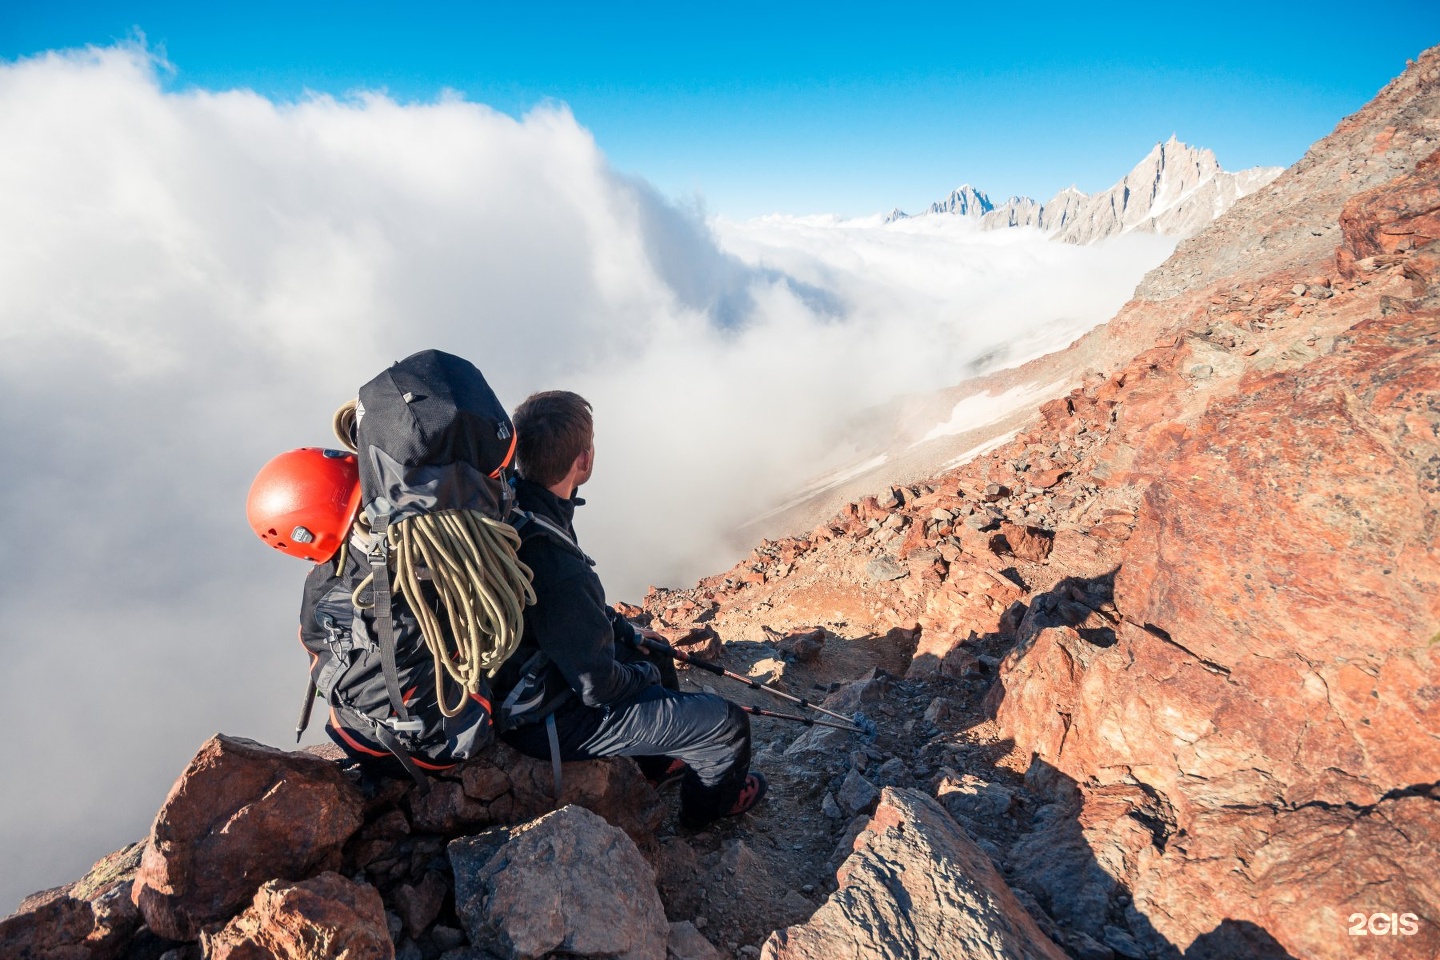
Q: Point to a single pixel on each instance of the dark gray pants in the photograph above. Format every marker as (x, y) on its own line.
(711, 735)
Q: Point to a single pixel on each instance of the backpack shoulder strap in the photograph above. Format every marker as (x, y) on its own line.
(530, 525)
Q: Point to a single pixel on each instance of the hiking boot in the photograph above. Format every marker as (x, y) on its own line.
(752, 793)
(674, 773)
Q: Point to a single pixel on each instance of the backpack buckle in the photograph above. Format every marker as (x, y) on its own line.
(413, 725)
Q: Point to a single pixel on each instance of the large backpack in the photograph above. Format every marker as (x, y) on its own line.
(434, 446)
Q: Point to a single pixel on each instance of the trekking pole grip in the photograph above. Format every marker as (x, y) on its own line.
(655, 646)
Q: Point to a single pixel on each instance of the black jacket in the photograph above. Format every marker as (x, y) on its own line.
(569, 621)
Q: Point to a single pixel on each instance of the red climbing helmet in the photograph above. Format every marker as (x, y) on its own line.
(303, 502)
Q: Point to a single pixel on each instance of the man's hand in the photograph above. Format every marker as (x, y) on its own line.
(647, 633)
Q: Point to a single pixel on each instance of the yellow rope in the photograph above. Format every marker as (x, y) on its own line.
(482, 588)
(480, 582)
(343, 424)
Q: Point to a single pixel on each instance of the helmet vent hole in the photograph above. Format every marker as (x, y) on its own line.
(273, 532)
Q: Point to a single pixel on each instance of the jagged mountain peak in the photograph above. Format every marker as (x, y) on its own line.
(964, 201)
(1176, 189)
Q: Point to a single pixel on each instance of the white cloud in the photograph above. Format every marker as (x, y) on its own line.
(190, 282)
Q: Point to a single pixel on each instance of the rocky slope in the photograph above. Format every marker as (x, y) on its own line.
(1157, 677)
(1176, 189)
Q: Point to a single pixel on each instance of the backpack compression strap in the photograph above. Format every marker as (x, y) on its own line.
(385, 633)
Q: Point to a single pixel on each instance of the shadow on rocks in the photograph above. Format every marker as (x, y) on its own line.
(1069, 877)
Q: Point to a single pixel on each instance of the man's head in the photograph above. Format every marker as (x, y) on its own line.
(554, 438)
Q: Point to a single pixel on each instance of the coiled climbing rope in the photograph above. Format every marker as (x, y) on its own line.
(481, 584)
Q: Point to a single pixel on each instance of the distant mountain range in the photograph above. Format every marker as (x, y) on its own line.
(1177, 189)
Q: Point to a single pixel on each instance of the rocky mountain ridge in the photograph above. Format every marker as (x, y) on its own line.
(1176, 189)
(1157, 677)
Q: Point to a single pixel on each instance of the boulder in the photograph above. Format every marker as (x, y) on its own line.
(62, 927)
(915, 886)
(1025, 543)
(325, 916)
(242, 813)
(698, 641)
(90, 919)
(1272, 685)
(865, 693)
(566, 883)
(804, 646)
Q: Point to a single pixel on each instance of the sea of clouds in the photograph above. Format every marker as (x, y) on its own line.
(191, 281)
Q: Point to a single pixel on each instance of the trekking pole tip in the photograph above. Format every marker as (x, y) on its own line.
(866, 725)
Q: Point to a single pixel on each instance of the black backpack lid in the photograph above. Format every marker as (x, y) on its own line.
(433, 436)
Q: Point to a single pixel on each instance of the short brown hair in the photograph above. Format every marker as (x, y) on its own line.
(552, 428)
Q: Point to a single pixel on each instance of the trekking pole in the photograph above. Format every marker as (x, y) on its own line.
(808, 721)
(856, 724)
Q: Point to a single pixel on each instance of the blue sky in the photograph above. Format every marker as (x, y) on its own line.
(804, 108)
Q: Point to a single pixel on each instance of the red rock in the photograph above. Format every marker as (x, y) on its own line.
(631, 612)
(63, 927)
(1026, 543)
(241, 813)
(942, 653)
(90, 919)
(915, 539)
(1401, 215)
(613, 789)
(446, 809)
(870, 509)
(1274, 682)
(697, 641)
(805, 645)
(326, 916)
(1045, 479)
(484, 779)
(915, 886)
(1056, 411)
(418, 906)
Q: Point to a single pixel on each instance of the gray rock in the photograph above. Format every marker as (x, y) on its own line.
(938, 710)
(446, 938)
(830, 808)
(567, 882)
(1122, 943)
(688, 943)
(974, 798)
(916, 887)
(864, 695)
(884, 568)
(857, 795)
(893, 771)
(1085, 947)
(795, 907)
(1057, 865)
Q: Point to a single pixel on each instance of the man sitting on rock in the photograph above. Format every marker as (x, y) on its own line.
(577, 682)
